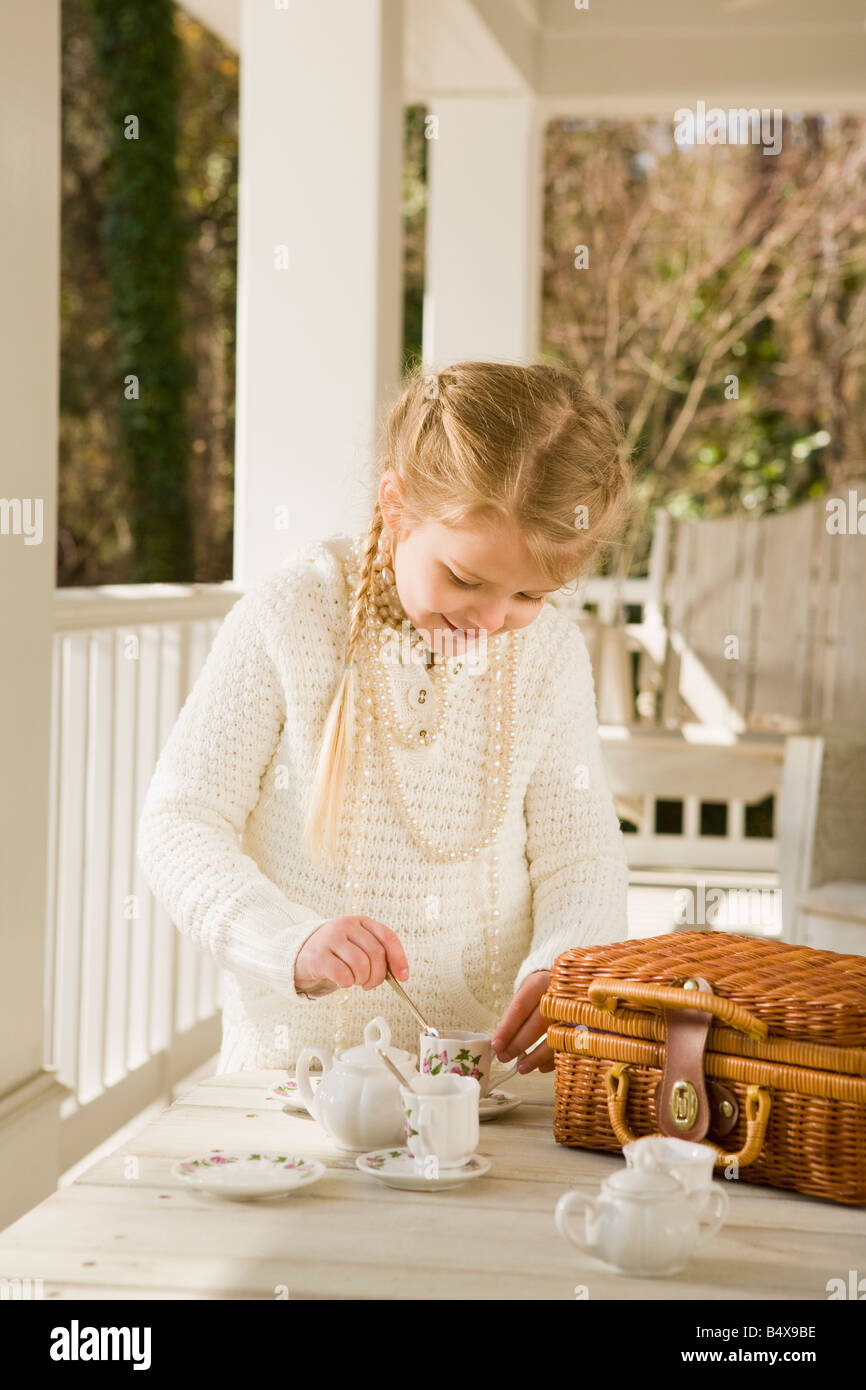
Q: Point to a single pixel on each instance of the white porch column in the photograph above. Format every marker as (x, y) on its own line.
(29, 279)
(483, 230)
(319, 267)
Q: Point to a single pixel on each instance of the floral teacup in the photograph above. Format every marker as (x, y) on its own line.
(462, 1054)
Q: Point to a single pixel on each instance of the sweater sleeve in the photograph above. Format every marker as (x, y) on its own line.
(206, 782)
(575, 849)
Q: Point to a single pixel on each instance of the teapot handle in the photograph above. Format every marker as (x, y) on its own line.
(302, 1074)
(564, 1206)
(712, 1207)
(377, 1033)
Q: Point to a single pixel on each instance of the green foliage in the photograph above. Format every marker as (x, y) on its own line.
(126, 464)
(414, 218)
(145, 238)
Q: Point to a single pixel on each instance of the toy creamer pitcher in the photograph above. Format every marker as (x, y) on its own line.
(643, 1222)
(358, 1102)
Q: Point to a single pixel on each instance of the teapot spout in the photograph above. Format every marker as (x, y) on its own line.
(302, 1075)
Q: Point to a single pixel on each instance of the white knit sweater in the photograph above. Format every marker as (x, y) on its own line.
(220, 836)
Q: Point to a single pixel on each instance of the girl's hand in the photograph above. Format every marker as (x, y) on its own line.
(349, 951)
(521, 1025)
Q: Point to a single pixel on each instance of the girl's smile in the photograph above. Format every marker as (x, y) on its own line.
(465, 631)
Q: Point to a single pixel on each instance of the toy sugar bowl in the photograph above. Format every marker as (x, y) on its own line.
(358, 1101)
(644, 1223)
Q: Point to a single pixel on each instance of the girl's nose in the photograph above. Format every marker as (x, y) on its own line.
(489, 618)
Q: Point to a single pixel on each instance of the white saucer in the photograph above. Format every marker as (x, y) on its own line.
(288, 1093)
(396, 1168)
(497, 1103)
(241, 1177)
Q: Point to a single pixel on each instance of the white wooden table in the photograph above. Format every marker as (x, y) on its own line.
(113, 1235)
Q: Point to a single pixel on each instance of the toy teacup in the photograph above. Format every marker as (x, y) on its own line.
(441, 1119)
(463, 1054)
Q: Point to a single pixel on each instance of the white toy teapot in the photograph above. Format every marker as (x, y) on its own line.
(358, 1101)
(643, 1222)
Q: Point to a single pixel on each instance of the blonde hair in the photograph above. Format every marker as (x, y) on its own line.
(484, 442)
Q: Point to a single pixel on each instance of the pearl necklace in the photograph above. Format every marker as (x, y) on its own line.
(384, 613)
(377, 706)
(501, 764)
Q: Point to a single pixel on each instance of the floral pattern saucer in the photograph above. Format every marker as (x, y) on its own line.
(240, 1176)
(397, 1168)
(497, 1103)
(288, 1093)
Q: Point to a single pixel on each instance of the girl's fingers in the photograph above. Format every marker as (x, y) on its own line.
(335, 969)
(534, 1028)
(375, 952)
(396, 956)
(540, 1057)
(513, 1018)
(520, 1013)
(356, 959)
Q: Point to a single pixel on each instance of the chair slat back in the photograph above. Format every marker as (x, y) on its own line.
(773, 612)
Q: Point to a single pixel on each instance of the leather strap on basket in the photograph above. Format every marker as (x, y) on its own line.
(757, 1116)
(682, 1104)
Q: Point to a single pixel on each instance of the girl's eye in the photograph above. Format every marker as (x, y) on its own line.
(464, 584)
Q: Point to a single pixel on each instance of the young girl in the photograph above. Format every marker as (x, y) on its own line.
(390, 759)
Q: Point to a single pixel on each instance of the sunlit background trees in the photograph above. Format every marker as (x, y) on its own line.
(723, 305)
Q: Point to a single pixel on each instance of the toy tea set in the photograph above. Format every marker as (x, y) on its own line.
(371, 1098)
(418, 1130)
(410, 1128)
(648, 1217)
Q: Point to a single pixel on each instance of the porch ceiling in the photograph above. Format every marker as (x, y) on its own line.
(621, 57)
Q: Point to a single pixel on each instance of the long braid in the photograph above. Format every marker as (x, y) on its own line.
(323, 817)
(365, 578)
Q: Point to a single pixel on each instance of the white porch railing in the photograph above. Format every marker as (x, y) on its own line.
(131, 1005)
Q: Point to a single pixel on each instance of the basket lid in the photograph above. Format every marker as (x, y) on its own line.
(798, 992)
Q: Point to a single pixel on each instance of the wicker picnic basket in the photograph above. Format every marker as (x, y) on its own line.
(756, 1047)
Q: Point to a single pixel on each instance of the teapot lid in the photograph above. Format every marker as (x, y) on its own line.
(376, 1034)
(642, 1182)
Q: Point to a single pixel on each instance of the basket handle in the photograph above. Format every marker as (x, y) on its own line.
(606, 994)
(757, 1115)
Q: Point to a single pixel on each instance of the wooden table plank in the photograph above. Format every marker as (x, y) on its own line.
(128, 1229)
(526, 1168)
(319, 1246)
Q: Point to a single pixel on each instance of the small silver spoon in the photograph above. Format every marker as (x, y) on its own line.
(404, 1081)
(398, 989)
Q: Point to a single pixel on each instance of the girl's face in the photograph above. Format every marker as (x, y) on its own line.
(469, 580)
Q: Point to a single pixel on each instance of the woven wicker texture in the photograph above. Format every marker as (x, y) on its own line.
(630, 1023)
(807, 1076)
(800, 993)
(813, 1145)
